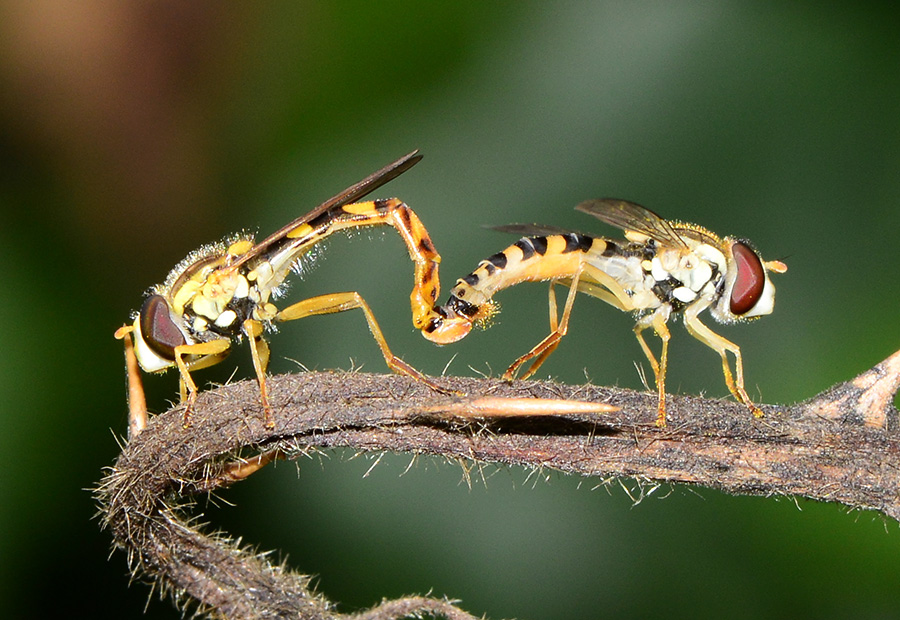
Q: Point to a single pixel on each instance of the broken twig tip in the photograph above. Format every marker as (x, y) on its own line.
(879, 386)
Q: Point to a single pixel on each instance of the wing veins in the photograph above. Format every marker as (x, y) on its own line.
(533, 230)
(632, 217)
(349, 195)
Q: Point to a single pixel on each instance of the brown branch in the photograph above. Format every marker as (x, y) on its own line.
(839, 446)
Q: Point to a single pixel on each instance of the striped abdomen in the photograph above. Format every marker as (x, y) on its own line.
(297, 239)
(529, 259)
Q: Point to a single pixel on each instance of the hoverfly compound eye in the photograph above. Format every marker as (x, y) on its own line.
(750, 280)
(159, 331)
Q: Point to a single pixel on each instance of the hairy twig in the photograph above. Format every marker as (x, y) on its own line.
(839, 446)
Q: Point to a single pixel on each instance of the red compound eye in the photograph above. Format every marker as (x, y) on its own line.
(157, 328)
(751, 278)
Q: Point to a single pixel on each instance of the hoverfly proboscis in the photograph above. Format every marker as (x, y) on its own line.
(661, 268)
(221, 293)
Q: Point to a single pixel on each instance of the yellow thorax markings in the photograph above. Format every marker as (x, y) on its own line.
(209, 293)
(185, 294)
(360, 208)
(218, 291)
(240, 247)
(303, 230)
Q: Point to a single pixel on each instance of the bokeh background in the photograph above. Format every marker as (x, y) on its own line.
(132, 133)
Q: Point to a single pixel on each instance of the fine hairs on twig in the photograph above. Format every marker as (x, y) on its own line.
(839, 446)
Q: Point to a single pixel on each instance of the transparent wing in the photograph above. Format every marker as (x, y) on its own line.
(630, 216)
(532, 230)
(349, 195)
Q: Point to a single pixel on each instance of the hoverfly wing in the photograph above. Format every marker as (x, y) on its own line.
(531, 230)
(349, 195)
(370, 183)
(630, 216)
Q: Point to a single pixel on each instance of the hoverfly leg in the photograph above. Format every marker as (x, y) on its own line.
(137, 402)
(657, 320)
(340, 302)
(551, 303)
(722, 346)
(189, 398)
(259, 353)
(546, 346)
(737, 387)
(207, 354)
(605, 289)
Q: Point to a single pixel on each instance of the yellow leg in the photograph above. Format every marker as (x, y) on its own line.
(597, 283)
(721, 345)
(658, 322)
(340, 302)
(208, 354)
(546, 346)
(259, 353)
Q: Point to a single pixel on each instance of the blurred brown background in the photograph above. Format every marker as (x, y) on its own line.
(132, 133)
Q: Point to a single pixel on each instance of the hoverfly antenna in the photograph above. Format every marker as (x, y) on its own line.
(775, 266)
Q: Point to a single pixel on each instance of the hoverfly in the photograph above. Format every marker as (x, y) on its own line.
(222, 293)
(661, 268)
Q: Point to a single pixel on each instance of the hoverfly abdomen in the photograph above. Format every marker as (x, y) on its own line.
(531, 258)
(497, 261)
(576, 242)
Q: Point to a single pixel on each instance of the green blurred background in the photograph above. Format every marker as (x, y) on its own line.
(132, 133)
